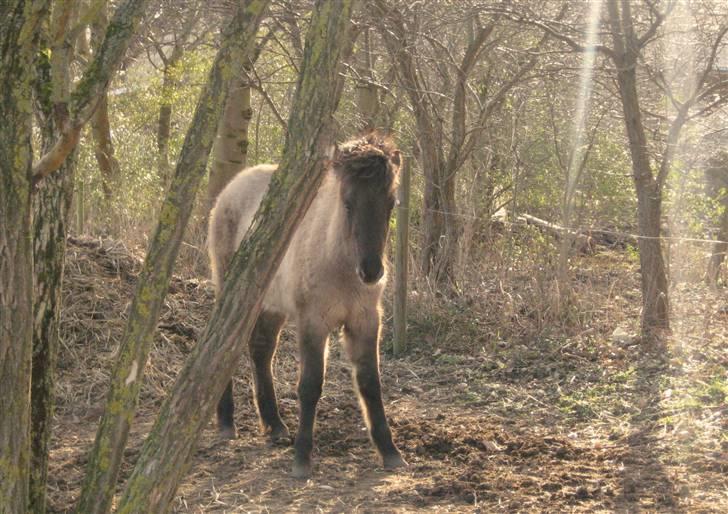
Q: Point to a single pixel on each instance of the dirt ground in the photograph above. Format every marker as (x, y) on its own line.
(589, 422)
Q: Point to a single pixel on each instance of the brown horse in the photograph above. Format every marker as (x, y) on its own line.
(332, 275)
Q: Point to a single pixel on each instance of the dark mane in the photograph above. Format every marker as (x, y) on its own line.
(367, 157)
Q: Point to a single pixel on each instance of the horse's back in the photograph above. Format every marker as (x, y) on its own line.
(233, 213)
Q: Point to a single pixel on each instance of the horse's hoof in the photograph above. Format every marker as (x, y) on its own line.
(394, 461)
(280, 435)
(301, 470)
(227, 432)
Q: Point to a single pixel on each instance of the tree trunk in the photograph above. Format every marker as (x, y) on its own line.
(126, 380)
(163, 127)
(92, 85)
(400, 263)
(719, 249)
(230, 153)
(655, 302)
(445, 272)
(716, 176)
(433, 223)
(51, 206)
(166, 452)
(100, 127)
(367, 94)
(104, 148)
(19, 27)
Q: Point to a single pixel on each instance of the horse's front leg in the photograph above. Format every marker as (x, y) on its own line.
(361, 339)
(312, 347)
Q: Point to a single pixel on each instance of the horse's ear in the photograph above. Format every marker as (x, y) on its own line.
(396, 159)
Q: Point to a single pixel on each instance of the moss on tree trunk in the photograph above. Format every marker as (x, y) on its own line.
(51, 205)
(19, 27)
(166, 452)
(105, 459)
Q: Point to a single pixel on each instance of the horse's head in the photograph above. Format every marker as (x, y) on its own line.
(368, 169)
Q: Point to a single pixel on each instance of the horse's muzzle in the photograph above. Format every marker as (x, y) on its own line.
(370, 271)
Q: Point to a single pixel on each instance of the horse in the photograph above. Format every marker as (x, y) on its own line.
(332, 276)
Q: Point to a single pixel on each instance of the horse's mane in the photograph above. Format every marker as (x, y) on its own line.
(366, 158)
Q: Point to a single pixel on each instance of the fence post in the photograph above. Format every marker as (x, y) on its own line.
(400, 262)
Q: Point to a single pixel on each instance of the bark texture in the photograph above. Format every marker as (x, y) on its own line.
(230, 153)
(51, 205)
(655, 300)
(100, 126)
(165, 455)
(105, 459)
(20, 23)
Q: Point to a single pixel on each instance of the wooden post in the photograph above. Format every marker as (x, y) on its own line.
(400, 263)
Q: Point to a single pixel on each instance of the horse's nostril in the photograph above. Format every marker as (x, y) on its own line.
(370, 271)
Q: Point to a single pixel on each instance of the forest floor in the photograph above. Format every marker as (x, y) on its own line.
(593, 420)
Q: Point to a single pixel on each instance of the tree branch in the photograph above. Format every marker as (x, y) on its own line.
(94, 82)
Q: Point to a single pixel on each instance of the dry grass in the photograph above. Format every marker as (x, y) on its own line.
(506, 401)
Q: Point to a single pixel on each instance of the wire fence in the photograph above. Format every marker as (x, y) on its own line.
(582, 230)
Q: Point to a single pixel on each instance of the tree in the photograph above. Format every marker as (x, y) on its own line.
(165, 455)
(179, 34)
(18, 39)
(230, 152)
(20, 28)
(51, 205)
(444, 148)
(100, 126)
(628, 55)
(717, 185)
(105, 460)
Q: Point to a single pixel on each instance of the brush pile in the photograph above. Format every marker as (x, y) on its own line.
(99, 283)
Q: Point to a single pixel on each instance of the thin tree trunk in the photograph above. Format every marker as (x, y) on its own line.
(164, 122)
(104, 148)
(367, 95)
(230, 153)
(400, 262)
(655, 302)
(100, 127)
(19, 27)
(51, 207)
(445, 273)
(126, 380)
(719, 249)
(166, 453)
(163, 127)
(716, 176)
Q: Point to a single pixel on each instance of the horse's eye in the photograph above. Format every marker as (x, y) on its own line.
(347, 206)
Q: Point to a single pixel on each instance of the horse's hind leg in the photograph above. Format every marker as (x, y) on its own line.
(262, 347)
(362, 344)
(225, 412)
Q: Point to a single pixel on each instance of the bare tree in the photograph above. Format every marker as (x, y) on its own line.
(631, 33)
(445, 147)
(20, 27)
